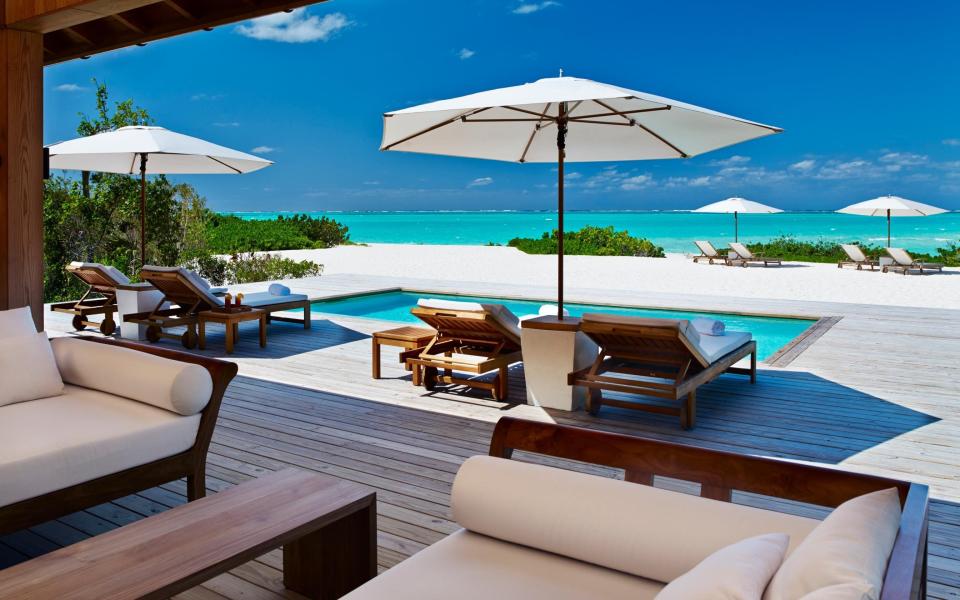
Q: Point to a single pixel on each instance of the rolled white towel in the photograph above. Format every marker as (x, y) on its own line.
(706, 326)
(550, 310)
(278, 289)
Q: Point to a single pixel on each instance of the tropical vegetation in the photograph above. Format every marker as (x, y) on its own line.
(790, 248)
(592, 241)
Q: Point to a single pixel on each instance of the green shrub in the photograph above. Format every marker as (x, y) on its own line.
(251, 267)
(790, 248)
(227, 234)
(592, 241)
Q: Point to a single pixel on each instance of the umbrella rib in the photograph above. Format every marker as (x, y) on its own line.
(239, 172)
(648, 130)
(536, 128)
(541, 116)
(621, 112)
(466, 113)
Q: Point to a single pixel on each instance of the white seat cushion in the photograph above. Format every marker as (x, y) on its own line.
(28, 370)
(16, 322)
(713, 347)
(53, 443)
(470, 566)
(265, 299)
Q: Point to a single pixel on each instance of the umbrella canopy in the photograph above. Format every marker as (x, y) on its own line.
(891, 206)
(149, 150)
(562, 119)
(737, 206)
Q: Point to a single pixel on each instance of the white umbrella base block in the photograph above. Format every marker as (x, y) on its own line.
(132, 299)
(549, 355)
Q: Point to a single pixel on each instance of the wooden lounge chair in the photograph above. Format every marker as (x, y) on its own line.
(471, 338)
(903, 262)
(744, 257)
(185, 294)
(101, 280)
(709, 253)
(856, 257)
(662, 358)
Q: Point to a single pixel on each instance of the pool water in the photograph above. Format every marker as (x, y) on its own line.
(771, 333)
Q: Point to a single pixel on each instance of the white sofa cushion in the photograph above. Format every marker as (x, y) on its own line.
(53, 443)
(28, 370)
(740, 571)
(852, 545)
(183, 388)
(625, 526)
(470, 566)
(16, 322)
(843, 591)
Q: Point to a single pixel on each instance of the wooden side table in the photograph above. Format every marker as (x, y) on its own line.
(231, 320)
(407, 338)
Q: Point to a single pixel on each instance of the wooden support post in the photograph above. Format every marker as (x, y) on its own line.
(21, 168)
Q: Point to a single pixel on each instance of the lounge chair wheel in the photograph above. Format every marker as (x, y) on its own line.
(108, 326)
(78, 323)
(189, 340)
(429, 378)
(153, 333)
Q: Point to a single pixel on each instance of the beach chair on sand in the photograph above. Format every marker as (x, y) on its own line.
(101, 280)
(856, 257)
(186, 294)
(665, 360)
(709, 253)
(905, 263)
(471, 338)
(744, 257)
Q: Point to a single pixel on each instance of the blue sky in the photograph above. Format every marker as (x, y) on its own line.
(867, 92)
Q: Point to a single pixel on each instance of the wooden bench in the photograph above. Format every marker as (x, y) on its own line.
(327, 528)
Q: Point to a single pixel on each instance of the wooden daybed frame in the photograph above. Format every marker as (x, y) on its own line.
(99, 282)
(191, 463)
(476, 334)
(720, 473)
(652, 357)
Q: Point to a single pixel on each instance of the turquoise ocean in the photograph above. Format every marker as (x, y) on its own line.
(674, 230)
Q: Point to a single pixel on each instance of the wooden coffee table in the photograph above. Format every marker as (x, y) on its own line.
(231, 320)
(327, 527)
(407, 338)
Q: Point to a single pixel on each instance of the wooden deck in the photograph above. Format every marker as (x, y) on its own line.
(877, 392)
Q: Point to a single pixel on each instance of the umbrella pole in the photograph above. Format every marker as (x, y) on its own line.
(736, 227)
(561, 144)
(888, 228)
(143, 209)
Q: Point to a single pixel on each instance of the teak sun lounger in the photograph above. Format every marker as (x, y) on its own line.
(856, 257)
(745, 257)
(101, 280)
(662, 358)
(471, 338)
(187, 294)
(903, 262)
(709, 253)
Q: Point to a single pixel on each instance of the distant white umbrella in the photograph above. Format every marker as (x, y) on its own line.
(737, 206)
(891, 206)
(149, 150)
(564, 119)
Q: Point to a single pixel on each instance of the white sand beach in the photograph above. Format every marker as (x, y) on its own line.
(676, 273)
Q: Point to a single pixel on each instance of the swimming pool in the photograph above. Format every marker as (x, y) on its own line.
(771, 333)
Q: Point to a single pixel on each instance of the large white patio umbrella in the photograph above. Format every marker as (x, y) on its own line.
(891, 206)
(737, 206)
(149, 150)
(564, 119)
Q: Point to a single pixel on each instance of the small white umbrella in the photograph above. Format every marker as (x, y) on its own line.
(562, 119)
(149, 150)
(737, 206)
(891, 206)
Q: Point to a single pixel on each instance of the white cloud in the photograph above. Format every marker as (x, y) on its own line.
(294, 27)
(733, 160)
(951, 142)
(226, 124)
(532, 7)
(803, 166)
(69, 87)
(849, 169)
(371, 182)
(903, 159)
(263, 150)
(466, 53)
(636, 182)
(203, 96)
(480, 181)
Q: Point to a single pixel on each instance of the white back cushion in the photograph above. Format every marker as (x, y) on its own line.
(843, 591)
(16, 322)
(179, 387)
(28, 370)
(633, 528)
(852, 545)
(740, 571)
(439, 304)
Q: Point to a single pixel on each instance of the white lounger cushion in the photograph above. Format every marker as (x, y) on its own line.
(114, 273)
(53, 443)
(713, 347)
(501, 313)
(852, 545)
(470, 566)
(632, 528)
(183, 388)
(28, 370)
(16, 322)
(266, 298)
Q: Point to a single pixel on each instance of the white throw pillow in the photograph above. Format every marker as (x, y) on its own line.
(16, 322)
(740, 571)
(851, 546)
(27, 369)
(843, 591)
